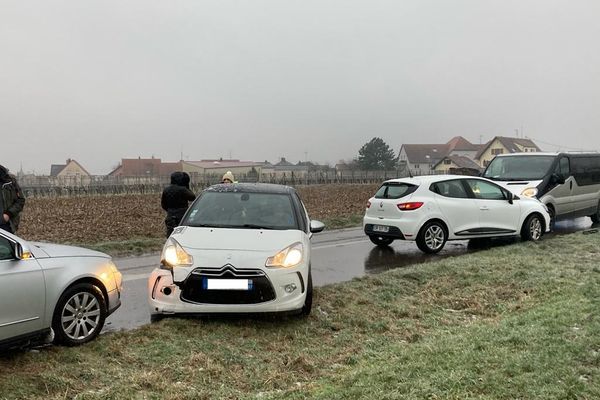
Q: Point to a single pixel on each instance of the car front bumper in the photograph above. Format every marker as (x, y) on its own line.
(189, 297)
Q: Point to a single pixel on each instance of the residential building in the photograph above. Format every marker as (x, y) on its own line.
(420, 159)
(504, 145)
(71, 173)
(457, 165)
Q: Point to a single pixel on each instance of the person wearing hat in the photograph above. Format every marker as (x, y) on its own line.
(175, 200)
(228, 177)
(12, 201)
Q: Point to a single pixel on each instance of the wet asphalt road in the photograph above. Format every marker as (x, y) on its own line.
(337, 256)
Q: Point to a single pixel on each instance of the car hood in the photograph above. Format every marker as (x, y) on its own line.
(221, 239)
(517, 187)
(240, 248)
(51, 250)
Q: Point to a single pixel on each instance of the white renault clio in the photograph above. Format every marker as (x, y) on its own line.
(434, 209)
(241, 248)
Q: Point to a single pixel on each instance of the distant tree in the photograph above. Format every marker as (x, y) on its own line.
(376, 154)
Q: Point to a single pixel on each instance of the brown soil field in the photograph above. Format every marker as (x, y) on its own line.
(98, 219)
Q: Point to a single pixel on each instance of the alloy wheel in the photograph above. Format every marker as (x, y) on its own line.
(80, 316)
(434, 237)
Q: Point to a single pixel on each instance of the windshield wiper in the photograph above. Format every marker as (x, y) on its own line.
(209, 226)
(254, 226)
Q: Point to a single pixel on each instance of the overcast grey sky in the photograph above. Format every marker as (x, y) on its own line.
(100, 80)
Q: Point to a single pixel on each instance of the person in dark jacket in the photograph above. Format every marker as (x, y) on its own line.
(11, 201)
(175, 199)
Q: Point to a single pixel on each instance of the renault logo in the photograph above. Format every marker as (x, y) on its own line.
(381, 205)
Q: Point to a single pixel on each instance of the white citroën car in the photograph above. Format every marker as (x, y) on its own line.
(55, 293)
(241, 248)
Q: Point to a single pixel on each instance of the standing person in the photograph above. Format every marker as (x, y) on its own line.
(227, 178)
(175, 199)
(11, 201)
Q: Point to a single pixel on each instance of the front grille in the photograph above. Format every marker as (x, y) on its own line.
(194, 288)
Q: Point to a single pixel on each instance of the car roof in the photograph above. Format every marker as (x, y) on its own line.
(533, 153)
(251, 188)
(428, 179)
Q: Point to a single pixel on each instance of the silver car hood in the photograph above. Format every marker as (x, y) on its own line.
(51, 250)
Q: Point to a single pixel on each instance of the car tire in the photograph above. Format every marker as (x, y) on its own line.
(381, 241)
(432, 237)
(533, 228)
(79, 315)
(552, 214)
(596, 217)
(307, 307)
(156, 318)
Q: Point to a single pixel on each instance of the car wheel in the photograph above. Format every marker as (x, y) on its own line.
(79, 314)
(309, 297)
(596, 217)
(381, 241)
(533, 228)
(432, 237)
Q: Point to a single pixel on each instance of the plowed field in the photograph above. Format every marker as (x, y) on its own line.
(114, 218)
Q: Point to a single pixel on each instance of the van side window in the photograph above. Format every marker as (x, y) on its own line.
(563, 167)
(586, 170)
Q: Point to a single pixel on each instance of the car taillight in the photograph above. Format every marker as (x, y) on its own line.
(368, 204)
(410, 206)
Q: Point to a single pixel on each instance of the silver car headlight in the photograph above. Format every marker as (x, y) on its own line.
(288, 257)
(174, 255)
(529, 192)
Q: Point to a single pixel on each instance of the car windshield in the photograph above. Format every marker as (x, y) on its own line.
(516, 168)
(242, 210)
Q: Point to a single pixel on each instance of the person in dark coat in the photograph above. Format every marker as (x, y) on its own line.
(12, 201)
(175, 199)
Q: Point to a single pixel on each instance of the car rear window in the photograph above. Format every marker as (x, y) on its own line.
(394, 190)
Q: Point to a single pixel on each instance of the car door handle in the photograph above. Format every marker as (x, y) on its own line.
(571, 185)
(484, 208)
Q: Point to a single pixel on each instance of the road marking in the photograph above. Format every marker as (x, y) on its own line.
(135, 277)
(328, 246)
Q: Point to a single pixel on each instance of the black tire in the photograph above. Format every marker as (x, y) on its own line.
(533, 228)
(552, 214)
(156, 318)
(79, 315)
(307, 307)
(381, 241)
(432, 237)
(596, 217)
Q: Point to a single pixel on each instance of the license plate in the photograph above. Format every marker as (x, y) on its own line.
(381, 228)
(228, 284)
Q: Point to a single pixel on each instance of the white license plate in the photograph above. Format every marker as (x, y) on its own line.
(228, 284)
(381, 228)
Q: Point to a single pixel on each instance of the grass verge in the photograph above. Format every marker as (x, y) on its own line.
(518, 321)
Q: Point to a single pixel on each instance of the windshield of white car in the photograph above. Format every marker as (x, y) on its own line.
(242, 210)
(519, 168)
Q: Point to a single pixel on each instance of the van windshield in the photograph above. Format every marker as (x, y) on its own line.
(519, 168)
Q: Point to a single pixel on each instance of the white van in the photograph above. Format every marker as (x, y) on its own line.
(567, 183)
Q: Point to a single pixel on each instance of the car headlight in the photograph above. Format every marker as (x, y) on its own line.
(288, 257)
(174, 255)
(529, 192)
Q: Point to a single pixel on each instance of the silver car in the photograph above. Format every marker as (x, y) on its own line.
(52, 292)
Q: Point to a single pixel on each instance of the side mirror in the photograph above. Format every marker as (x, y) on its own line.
(22, 252)
(316, 226)
(509, 196)
(558, 179)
